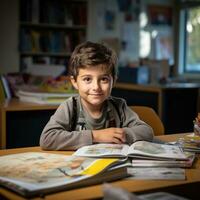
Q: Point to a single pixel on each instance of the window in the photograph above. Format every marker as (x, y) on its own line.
(192, 50)
(190, 39)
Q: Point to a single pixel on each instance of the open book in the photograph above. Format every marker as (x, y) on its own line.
(35, 173)
(141, 149)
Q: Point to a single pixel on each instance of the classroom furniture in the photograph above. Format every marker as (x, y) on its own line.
(148, 115)
(177, 104)
(186, 188)
(21, 123)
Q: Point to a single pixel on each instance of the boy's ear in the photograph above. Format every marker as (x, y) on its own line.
(74, 83)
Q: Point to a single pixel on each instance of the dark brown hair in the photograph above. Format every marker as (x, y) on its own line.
(89, 54)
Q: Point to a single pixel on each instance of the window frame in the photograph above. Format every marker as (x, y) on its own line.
(181, 58)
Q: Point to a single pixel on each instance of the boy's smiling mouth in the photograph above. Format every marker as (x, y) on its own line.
(99, 94)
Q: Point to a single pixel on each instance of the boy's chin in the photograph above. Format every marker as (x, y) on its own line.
(96, 102)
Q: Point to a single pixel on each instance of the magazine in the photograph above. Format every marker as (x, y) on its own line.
(36, 173)
(141, 149)
(165, 163)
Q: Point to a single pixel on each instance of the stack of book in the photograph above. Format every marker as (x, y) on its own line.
(37, 173)
(163, 161)
(43, 97)
(190, 142)
(51, 91)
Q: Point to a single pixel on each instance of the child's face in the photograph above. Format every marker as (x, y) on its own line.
(94, 85)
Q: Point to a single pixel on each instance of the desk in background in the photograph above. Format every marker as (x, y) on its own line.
(177, 104)
(185, 188)
(21, 123)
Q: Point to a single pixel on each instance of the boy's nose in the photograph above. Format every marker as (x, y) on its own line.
(96, 85)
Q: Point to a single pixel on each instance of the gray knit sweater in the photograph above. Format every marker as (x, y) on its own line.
(57, 134)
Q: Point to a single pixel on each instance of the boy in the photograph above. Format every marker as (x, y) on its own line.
(93, 116)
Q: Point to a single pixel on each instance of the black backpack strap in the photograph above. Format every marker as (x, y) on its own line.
(74, 114)
(117, 110)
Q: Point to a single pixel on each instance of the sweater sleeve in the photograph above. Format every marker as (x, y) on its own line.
(135, 128)
(57, 135)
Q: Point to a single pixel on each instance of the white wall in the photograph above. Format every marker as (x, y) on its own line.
(141, 38)
(156, 31)
(96, 27)
(9, 56)
(97, 31)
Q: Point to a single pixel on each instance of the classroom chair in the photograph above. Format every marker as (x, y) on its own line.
(148, 115)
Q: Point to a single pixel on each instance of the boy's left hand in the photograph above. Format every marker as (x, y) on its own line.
(109, 135)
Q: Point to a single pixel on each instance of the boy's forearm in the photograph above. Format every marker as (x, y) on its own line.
(141, 132)
(64, 140)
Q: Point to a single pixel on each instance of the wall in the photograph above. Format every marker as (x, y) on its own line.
(157, 32)
(143, 39)
(97, 30)
(9, 57)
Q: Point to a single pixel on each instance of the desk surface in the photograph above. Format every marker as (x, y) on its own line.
(95, 191)
(16, 105)
(156, 87)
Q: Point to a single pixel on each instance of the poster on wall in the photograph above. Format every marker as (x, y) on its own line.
(160, 15)
(130, 43)
(110, 20)
(164, 47)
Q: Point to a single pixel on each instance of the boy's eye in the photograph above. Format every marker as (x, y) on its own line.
(87, 79)
(105, 79)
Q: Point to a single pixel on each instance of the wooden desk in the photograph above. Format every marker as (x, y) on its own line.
(22, 123)
(185, 188)
(175, 103)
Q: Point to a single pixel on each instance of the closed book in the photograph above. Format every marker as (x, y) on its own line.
(38, 174)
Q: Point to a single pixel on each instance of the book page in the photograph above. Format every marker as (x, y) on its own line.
(103, 150)
(39, 171)
(150, 149)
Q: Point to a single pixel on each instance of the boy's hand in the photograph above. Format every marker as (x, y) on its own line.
(109, 135)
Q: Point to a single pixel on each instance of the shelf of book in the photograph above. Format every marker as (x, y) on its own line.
(52, 26)
(50, 30)
(30, 53)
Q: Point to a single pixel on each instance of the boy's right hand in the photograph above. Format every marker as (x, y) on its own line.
(109, 135)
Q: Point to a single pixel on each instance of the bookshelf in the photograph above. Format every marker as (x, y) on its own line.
(49, 30)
